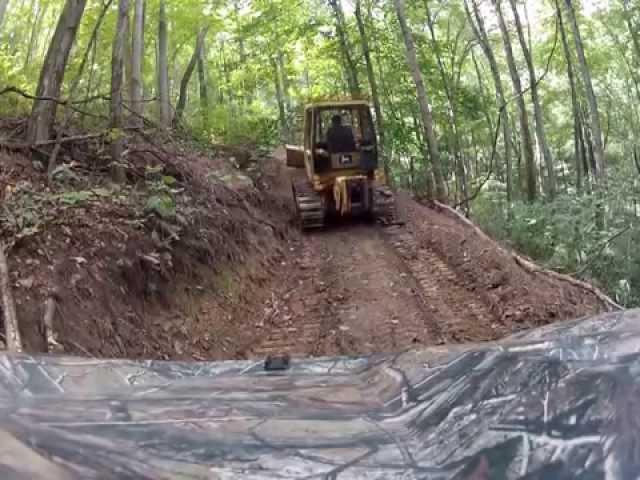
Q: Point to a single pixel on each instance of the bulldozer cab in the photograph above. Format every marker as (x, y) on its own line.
(338, 136)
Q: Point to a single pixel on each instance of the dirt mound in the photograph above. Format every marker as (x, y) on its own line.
(512, 296)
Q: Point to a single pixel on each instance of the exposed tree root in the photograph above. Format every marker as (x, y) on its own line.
(49, 314)
(11, 325)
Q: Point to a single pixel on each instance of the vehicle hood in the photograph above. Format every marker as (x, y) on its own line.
(559, 402)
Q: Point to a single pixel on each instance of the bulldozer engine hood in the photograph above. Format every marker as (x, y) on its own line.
(559, 402)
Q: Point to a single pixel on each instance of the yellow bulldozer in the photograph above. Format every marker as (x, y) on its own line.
(340, 157)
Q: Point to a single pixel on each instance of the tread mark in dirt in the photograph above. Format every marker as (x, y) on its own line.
(452, 309)
(295, 338)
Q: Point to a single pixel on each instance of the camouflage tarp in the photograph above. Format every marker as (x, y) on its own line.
(560, 402)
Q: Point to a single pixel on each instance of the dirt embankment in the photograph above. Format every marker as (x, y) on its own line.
(168, 265)
(196, 258)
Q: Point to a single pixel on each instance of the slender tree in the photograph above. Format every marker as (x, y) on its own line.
(117, 97)
(537, 104)
(184, 83)
(163, 67)
(285, 92)
(203, 86)
(137, 62)
(349, 64)
(525, 132)
(423, 100)
(448, 83)
(277, 81)
(373, 83)
(480, 33)
(577, 127)
(592, 102)
(35, 23)
(52, 73)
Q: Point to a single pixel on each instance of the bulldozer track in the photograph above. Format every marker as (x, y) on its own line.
(385, 208)
(310, 206)
(333, 319)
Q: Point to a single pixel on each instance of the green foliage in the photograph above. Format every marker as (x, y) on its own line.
(75, 198)
(161, 193)
(161, 203)
(592, 236)
(24, 213)
(234, 125)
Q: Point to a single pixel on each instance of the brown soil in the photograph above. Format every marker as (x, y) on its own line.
(231, 278)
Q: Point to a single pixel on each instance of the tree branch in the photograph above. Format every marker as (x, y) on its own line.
(28, 96)
(595, 255)
(76, 138)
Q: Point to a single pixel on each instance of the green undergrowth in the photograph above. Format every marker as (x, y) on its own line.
(592, 236)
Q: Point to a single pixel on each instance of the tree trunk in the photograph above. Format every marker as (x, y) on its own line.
(633, 31)
(184, 84)
(34, 29)
(454, 137)
(373, 85)
(589, 157)
(286, 92)
(52, 73)
(137, 62)
(594, 114)
(117, 97)
(163, 67)
(480, 33)
(44, 9)
(537, 105)
(3, 10)
(350, 66)
(203, 86)
(279, 97)
(577, 129)
(68, 114)
(286, 83)
(8, 306)
(525, 132)
(423, 100)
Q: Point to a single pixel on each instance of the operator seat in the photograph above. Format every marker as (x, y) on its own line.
(340, 138)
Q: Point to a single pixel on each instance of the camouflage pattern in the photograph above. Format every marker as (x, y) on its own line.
(560, 402)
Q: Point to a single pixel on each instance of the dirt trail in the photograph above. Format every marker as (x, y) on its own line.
(360, 289)
(348, 292)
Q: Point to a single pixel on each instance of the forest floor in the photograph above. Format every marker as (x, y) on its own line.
(228, 276)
